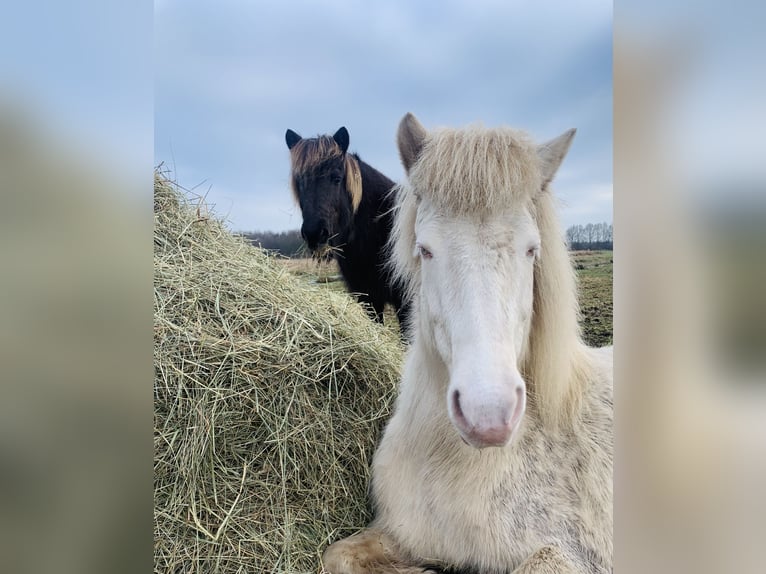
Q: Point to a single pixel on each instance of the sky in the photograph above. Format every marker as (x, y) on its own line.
(232, 76)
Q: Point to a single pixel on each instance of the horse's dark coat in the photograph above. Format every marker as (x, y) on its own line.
(323, 185)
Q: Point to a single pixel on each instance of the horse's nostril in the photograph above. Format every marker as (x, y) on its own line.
(456, 406)
(314, 234)
(485, 418)
(518, 407)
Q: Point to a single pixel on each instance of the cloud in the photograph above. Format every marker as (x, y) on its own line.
(232, 77)
(589, 203)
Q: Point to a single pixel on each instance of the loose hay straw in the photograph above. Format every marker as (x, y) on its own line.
(269, 398)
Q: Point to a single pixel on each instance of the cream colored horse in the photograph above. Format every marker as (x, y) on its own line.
(498, 457)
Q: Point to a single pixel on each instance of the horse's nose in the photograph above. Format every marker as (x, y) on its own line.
(491, 424)
(314, 235)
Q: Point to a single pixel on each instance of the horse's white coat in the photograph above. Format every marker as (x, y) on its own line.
(495, 332)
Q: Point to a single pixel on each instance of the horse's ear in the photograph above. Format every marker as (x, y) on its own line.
(291, 138)
(410, 140)
(552, 153)
(341, 138)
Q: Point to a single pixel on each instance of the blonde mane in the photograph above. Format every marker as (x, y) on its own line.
(311, 155)
(474, 171)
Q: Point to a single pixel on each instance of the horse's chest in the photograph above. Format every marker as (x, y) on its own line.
(466, 506)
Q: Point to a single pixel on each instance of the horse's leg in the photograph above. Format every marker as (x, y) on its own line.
(370, 551)
(548, 560)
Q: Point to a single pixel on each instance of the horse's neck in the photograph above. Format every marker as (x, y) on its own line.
(375, 186)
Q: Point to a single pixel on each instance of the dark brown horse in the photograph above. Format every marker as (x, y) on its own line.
(347, 207)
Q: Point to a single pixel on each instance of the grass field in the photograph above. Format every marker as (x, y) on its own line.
(594, 274)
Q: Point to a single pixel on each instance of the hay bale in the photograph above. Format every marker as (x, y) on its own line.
(269, 398)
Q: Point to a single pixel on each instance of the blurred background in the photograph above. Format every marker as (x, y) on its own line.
(77, 131)
(690, 311)
(76, 127)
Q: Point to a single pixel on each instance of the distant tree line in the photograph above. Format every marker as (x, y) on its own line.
(592, 236)
(286, 243)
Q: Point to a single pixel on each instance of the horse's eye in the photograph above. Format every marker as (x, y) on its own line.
(424, 252)
(532, 251)
(335, 179)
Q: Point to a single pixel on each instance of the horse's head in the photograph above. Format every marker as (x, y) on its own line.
(327, 185)
(468, 238)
